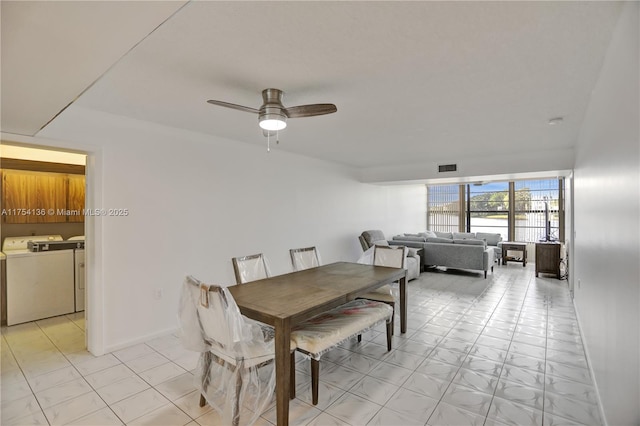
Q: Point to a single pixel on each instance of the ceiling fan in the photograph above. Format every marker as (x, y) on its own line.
(272, 115)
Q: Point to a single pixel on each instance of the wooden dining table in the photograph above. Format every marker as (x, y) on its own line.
(284, 301)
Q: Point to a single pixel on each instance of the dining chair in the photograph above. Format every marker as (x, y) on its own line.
(321, 333)
(250, 268)
(233, 348)
(304, 258)
(393, 257)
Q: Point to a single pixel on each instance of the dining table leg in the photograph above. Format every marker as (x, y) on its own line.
(283, 370)
(403, 304)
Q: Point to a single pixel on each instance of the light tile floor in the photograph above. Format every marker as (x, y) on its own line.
(505, 350)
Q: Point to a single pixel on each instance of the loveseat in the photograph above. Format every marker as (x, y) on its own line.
(376, 237)
(454, 250)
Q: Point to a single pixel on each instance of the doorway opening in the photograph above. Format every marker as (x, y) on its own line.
(42, 231)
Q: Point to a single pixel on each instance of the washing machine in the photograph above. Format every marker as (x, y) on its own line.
(79, 273)
(39, 284)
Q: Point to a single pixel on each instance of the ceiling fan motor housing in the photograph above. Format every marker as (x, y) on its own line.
(272, 114)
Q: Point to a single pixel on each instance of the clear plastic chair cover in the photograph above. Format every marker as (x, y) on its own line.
(367, 257)
(304, 258)
(234, 372)
(391, 256)
(250, 268)
(321, 333)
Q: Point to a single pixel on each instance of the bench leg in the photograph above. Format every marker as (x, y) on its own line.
(292, 380)
(393, 318)
(315, 372)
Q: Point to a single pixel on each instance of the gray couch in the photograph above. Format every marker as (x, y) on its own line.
(492, 240)
(453, 250)
(376, 237)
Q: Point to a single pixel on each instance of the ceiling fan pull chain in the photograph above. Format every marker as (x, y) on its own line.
(268, 142)
(277, 137)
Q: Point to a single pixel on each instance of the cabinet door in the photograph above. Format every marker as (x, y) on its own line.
(19, 194)
(33, 197)
(52, 197)
(75, 200)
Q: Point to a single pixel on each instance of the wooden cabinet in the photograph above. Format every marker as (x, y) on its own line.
(18, 191)
(548, 258)
(40, 197)
(75, 198)
(51, 197)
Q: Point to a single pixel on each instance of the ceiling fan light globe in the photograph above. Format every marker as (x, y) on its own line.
(272, 124)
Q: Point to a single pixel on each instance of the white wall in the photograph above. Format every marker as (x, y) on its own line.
(195, 201)
(607, 226)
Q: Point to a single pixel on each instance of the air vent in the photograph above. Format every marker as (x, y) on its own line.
(447, 168)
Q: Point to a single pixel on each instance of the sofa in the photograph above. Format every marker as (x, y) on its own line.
(376, 237)
(455, 250)
(493, 240)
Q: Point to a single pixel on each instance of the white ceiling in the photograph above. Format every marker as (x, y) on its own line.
(54, 50)
(413, 81)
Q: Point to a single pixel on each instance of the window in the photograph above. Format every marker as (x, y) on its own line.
(524, 210)
(537, 202)
(488, 208)
(443, 208)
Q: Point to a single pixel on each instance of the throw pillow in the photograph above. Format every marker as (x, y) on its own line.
(428, 234)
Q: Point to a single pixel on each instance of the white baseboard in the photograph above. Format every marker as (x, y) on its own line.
(139, 340)
(590, 365)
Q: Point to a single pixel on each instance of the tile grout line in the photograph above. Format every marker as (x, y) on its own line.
(74, 367)
(544, 375)
(467, 353)
(509, 347)
(24, 376)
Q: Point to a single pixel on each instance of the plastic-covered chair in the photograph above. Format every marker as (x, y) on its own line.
(250, 268)
(304, 258)
(235, 373)
(321, 333)
(393, 257)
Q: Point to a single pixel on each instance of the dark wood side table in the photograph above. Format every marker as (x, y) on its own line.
(514, 246)
(548, 258)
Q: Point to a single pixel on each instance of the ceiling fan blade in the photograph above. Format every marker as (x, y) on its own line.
(310, 110)
(233, 106)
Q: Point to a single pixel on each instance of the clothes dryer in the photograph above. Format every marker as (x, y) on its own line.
(79, 274)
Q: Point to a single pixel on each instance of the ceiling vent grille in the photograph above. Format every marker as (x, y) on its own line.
(447, 168)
